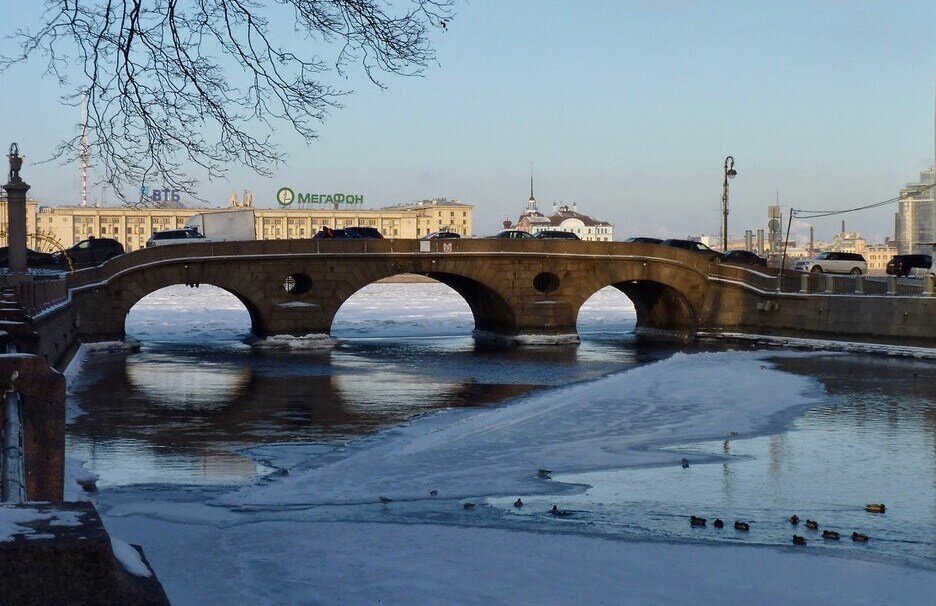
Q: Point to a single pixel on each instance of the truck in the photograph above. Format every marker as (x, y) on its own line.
(219, 226)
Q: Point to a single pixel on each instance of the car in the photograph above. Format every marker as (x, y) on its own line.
(694, 246)
(644, 240)
(910, 265)
(555, 234)
(33, 258)
(174, 236)
(512, 233)
(744, 257)
(348, 233)
(441, 235)
(834, 263)
(90, 252)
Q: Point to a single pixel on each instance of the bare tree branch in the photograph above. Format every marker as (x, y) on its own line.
(174, 86)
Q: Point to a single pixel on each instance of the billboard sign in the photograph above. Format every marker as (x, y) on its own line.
(286, 196)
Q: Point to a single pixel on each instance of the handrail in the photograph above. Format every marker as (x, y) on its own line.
(12, 470)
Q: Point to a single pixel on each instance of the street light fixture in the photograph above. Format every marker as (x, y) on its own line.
(730, 173)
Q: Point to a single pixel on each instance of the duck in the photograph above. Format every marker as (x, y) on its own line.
(859, 538)
(433, 493)
(685, 463)
(812, 524)
(518, 503)
(798, 540)
(830, 534)
(718, 523)
(468, 505)
(696, 521)
(742, 526)
(794, 519)
(384, 500)
(562, 513)
(875, 507)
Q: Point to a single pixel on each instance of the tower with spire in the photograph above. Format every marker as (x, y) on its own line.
(531, 203)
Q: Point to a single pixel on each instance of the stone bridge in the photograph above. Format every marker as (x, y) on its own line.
(515, 289)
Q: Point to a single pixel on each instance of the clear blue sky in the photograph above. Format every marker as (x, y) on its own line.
(626, 107)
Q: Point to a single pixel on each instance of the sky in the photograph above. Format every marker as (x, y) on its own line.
(627, 108)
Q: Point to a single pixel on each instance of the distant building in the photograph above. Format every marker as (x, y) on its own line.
(848, 241)
(877, 256)
(916, 215)
(132, 227)
(563, 218)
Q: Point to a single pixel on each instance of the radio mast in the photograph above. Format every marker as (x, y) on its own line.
(84, 150)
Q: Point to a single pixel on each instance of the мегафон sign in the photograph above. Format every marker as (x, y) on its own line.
(286, 196)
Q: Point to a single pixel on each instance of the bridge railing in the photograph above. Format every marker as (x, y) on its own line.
(37, 295)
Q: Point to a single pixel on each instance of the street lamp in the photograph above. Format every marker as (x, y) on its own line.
(730, 173)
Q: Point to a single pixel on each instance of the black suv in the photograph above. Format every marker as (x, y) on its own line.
(348, 232)
(744, 257)
(697, 247)
(555, 234)
(643, 240)
(904, 265)
(90, 252)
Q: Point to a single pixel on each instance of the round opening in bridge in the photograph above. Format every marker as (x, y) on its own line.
(546, 282)
(297, 284)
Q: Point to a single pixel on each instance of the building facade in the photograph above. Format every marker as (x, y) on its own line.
(563, 218)
(877, 256)
(916, 215)
(132, 227)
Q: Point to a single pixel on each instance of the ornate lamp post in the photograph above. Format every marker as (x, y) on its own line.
(730, 173)
(16, 190)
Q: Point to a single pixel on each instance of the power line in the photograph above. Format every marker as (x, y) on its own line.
(816, 214)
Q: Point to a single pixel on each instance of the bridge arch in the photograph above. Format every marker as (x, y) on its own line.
(666, 296)
(257, 322)
(490, 310)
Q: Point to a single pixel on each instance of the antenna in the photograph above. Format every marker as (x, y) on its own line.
(84, 150)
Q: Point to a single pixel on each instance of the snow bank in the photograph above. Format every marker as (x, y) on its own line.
(79, 480)
(534, 340)
(311, 341)
(14, 520)
(617, 421)
(129, 558)
(902, 351)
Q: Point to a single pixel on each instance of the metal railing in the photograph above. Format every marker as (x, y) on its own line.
(12, 468)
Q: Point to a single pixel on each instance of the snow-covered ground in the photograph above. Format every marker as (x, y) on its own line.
(318, 535)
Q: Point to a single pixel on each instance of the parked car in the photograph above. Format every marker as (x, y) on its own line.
(90, 252)
(512, 233)
(744, 257)
(348, 233)
(555, 234)
(694, 246)
(834, 263)
(911, 265)
(174, 236)
(441, 235)
(33, 258)
(644, 240)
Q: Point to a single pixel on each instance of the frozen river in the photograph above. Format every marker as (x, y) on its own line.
(191, 436)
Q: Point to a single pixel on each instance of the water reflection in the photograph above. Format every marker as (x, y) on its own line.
(177, 413)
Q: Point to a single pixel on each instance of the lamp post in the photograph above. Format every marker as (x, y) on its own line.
(730, 173)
